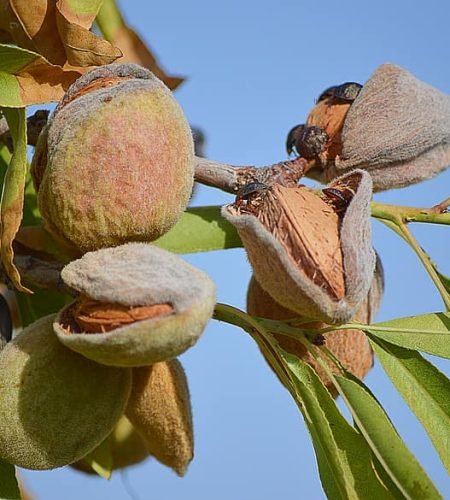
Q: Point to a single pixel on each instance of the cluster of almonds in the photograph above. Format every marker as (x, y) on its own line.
(312, 259)
(110, 353)
(105, 367)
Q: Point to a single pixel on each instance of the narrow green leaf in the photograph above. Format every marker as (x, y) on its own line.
(428, 333)
(10, 91)
(13, 191)
(345, 461)
(200, 229)
(384, 441)
(9, 487)
(425, 389)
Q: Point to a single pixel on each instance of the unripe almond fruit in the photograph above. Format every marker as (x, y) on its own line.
(160, 409)
(351, 347)
(115, 162)
(55, 405)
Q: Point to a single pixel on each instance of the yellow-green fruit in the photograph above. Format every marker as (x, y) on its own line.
(126, 445)
(116, 160)
(55, 405)
(351, 347)
(160, 409)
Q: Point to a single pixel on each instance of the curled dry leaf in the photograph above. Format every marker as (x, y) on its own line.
(398, 129)
(351, 347)
(160, 409)
(139, 305)
(31, 79)
(58, 30)
(310, 253)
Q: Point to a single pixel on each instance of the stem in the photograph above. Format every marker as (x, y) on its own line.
(394, 213)
(35, 124)
(397, 218)
(231, 178)
(427, 264)
(265, 341)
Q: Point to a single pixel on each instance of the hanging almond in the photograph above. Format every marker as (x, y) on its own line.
(138, 305)
(313, 254)
(396, 127)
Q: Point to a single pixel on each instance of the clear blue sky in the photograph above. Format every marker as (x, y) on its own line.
(254, 69)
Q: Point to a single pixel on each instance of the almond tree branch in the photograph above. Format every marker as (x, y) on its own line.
(231, 178)
(35, 124)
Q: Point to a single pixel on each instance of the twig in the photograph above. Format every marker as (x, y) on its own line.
(38, 273)
(35, 124)
(230, 178)
(435, 215)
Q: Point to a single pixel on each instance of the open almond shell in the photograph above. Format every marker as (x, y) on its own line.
(286, 281)
(137, 275)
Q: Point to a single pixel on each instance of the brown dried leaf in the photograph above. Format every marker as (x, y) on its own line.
(135, 50)
(58, 30)
(33, 26)
(41, 82)
(84, 48)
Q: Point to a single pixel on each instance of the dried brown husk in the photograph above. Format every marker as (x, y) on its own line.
(311, 257)
(159, 407)
(351, 347)
(398, 129)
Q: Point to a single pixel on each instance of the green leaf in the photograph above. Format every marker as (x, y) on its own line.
(428, 333)
(200, 229)
(10, 91)
(425, 389)
(345, 461)
(101, 459)
(9, 487)
(384, 441)
(13, 191)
